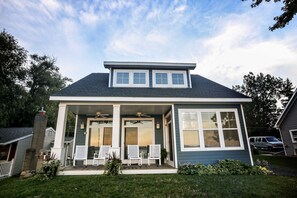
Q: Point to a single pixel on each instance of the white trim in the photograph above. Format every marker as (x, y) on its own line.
(145, 99)
(124, 172)
(108, 64)
(219, 129)
(174, 137)
(109, 78)
(131, 78)
(246, 135)
(169, 79)
(75, 132)
(292, 138)
(16, 140)
(190, 79)
(281, 134)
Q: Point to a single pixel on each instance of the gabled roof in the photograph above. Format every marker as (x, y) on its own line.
(148, 65)
(95, 86)
(287, 109)
(10, 135)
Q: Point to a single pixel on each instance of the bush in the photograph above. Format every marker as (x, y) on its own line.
(224, 167)
(113, 165)
(49, 168)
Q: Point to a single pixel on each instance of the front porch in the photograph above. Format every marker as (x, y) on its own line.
(117, 125)
(127, 170)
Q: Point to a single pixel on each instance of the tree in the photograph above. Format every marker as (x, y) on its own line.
(289, 9)
(25, 85)
(43, 79)
(12, 74)
(265, 91)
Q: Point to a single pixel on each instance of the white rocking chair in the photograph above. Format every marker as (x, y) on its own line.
(154, 153)
(133, 154)
(102, 155)
(81, 153)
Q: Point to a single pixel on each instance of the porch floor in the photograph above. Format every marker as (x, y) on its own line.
(133, 169)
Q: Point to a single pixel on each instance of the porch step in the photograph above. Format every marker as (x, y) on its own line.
(126, 172)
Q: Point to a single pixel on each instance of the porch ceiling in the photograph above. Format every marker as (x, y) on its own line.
(124, 109)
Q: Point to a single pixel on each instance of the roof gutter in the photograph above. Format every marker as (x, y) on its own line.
(146, 99)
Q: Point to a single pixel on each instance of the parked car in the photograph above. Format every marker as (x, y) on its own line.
(269, 143)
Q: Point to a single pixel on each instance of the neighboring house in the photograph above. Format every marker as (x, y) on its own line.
(287, 125)
(13, 145)
(142, 103)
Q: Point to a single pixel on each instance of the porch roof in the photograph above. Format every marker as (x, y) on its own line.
(96, 85)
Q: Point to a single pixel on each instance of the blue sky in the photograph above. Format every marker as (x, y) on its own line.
(227, 39)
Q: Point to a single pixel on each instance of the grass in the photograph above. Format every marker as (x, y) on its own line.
(282, 161)
(152, 186)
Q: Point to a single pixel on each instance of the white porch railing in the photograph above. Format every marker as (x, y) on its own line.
(6, 168)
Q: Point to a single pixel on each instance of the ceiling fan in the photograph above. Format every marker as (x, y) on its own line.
(101, 115)
(142, 115)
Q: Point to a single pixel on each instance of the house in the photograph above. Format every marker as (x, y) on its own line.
(287, 125)
(142, 103)
(13, 145)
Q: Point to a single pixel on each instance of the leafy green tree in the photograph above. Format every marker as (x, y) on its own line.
(289, 10)
(265, 91)
(43, 79)
(12, 74)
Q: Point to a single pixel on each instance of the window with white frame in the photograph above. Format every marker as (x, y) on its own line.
(294, 135)
(123, 78)
(178, 79)
(130, 78)
(213, 129)
(161, 79)
(170, 78)
(139, 78)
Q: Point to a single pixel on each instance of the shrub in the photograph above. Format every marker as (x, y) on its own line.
(224, 167)
(113, 165)
(49, 168)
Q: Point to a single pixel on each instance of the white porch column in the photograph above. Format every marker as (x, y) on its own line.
(116, 126)
(58, 148)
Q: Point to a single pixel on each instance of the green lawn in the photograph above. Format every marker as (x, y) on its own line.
(152, 186)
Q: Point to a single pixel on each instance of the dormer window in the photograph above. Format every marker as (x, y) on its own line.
(178, 79)
(161, 79)
(130, 78)
(170, 79)
(139, 78)
(123, 78)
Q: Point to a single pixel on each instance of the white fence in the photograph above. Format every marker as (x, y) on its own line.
(6, 168)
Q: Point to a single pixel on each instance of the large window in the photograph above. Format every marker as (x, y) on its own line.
(190, 130)
(209, 129)
(294, 135)
(99, 133)
(138, 132)
(130, 78)
(170, 78)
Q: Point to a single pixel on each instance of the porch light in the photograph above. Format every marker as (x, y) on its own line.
(82, 125)
(157, 125)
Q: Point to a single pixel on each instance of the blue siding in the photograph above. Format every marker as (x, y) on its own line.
(159, 132)
(80, 136)
(210, 157)
(150, 78)
(289, 123)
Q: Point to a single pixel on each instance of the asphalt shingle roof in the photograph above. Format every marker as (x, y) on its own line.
(96, 85)
(10, 134)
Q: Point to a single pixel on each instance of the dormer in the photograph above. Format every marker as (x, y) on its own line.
(149, 74)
